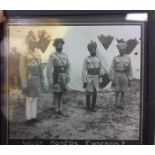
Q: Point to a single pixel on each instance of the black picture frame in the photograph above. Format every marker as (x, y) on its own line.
(149, 76)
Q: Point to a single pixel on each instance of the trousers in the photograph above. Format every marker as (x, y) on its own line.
(31, 107)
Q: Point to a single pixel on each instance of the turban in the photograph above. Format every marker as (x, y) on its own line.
(30, 38)
(122, 45)
(92, 45)
(57, 41)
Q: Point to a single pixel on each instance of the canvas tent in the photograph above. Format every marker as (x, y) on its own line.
(76, 40)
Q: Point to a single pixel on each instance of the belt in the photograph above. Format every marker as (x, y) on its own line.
(33, 71)
(60, 69)
(93, 71)
(32, 77)
(120, 71)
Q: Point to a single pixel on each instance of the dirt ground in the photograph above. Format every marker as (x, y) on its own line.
(107, 123)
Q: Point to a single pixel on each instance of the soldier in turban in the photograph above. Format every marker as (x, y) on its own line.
(58, 74)
(91, 74)
(121, 74)
(30, 73)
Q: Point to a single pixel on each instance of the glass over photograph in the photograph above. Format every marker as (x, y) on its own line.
(74, 81)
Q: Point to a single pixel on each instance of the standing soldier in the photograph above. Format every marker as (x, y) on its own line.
(58, 74)
(121, 74)
(91, 76)
(14, 78)
(30, 73)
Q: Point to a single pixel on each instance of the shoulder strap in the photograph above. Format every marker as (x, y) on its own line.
(60, 59)
(35, 59)
(39, 65)
(93, 62)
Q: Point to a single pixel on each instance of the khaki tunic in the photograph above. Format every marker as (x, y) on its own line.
(92, 69)
(58, 71)
(30, 73)
(121, 72)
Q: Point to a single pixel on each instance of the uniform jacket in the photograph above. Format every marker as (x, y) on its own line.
(29, 68)
(92, 80)
(30, 73)
(59, 61)
(121, 64)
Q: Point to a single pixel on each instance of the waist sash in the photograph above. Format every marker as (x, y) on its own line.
(93, 71)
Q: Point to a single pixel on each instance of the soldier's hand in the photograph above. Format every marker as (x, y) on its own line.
(50, 84)
(130, 83)
(68, 79)
(100, 84)
(46, 84)
(84, 85)
(113, 84)
(2, 17)
(24, 89)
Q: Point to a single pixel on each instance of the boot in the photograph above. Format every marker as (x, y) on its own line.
(94, 102)
(62, 114)
(88, 101)
(122, 101)
(117, 99)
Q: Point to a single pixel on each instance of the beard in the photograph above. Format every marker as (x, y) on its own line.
(59, 50)
(93, 54)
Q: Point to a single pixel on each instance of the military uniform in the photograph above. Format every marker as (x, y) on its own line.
(58, 71)
(121, 72)
(92, 70)
(30, 77)
(91, 73)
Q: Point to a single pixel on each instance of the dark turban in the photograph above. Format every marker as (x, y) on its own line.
(57, 41)
(92, 45)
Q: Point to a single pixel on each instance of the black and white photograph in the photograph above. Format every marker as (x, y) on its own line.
(75, 82)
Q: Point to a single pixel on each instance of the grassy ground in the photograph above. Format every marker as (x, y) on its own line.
(108, 123)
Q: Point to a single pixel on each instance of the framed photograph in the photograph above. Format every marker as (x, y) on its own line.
(78, 79)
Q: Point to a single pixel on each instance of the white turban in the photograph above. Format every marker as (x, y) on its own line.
(122, 45)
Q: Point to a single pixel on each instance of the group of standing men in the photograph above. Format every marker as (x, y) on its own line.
(58, 75)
